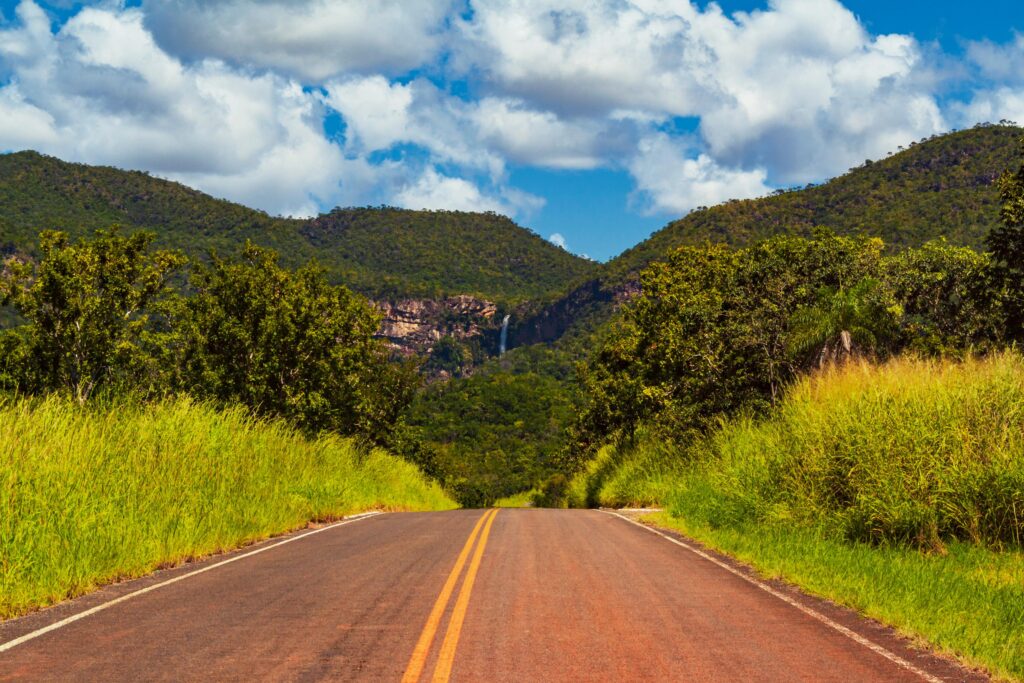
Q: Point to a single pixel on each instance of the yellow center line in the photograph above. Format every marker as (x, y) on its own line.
(443, 670)
(419, 655)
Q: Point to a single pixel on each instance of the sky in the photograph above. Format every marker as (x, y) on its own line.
(592, 122)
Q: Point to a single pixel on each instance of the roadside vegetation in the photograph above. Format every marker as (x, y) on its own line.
(114, 490)
(156, 408)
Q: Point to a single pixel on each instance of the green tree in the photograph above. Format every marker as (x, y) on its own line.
(950, 302)
(1007, 245)
(289, 343)
(710, 334)
(88, 306)
(842, 323)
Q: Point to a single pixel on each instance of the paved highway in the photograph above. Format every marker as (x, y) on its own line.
(470, 595)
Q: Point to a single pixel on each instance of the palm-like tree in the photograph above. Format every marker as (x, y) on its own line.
(844, 323)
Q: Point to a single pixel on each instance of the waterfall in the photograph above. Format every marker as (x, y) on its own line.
(504, 335)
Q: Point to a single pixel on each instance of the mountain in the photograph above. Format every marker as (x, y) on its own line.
(942, 187)
(383, 252)
(396, 252)
(939, 187)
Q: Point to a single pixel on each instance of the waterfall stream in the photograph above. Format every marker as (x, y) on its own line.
(504, 336)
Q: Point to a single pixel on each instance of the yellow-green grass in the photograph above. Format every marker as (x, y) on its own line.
(912, 452)
(523, 499)
(641, 474)
(896, 489)
(88, 496)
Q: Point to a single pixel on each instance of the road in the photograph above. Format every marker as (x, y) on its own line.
(469, 595)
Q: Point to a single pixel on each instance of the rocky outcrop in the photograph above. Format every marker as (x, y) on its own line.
(592, 302)
(413, 326)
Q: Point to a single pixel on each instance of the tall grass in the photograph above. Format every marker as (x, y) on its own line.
(88, 496)
(913, 452)
(641, 473)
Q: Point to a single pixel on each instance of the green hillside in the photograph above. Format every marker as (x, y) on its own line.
(389, 250)
(941, 187)
(377, 251)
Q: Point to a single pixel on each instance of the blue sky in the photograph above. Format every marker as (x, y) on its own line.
(594, 123)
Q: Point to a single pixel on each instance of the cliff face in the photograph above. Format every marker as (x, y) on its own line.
(593, 303)
(413, 326)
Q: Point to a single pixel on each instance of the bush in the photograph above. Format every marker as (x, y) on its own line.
(553, 492)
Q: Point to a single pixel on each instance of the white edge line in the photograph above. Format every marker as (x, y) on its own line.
(852, 635)
(99, 608)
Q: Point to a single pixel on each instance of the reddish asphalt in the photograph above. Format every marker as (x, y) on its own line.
(541, 595)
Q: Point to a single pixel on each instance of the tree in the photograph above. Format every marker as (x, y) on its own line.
(843, 323)
(290, 344)
(1007, 245)
(950, 305)
(712, 334)
(87, 304)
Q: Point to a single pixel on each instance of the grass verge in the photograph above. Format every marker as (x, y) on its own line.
(88, 496)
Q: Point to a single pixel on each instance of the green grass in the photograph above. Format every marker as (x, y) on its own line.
(523, 499)
(895, 489)
(88, 496)
(914, 452)
(641, 474)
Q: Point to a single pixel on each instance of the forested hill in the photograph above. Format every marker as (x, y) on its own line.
(940, 187)
(377, 251)
(391, 250)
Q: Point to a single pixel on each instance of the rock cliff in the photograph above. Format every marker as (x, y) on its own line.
(413, 326)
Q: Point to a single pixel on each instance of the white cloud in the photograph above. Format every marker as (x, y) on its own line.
(557, 239)
(381, 114)
(310, 39)
(800, 88)
(999, 104)
(435, 191)
(440, 104)
(670, 181)
(101, 91)
(541, 138)
(1000, 63)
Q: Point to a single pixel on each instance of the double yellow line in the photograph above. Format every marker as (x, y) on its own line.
(443, 668)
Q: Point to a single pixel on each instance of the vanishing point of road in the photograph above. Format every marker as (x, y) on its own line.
(469, 595)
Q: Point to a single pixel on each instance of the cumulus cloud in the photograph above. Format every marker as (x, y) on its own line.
(435, 191)
(999, 104)
(670, 181)
(542, 138)
(309, 39)
(1001, 69)
(1000, 63)
(557, 239)
(799, 88)
(381, 114)
(100, 90)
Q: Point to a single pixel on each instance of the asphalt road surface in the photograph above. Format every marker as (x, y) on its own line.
(470, 595)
